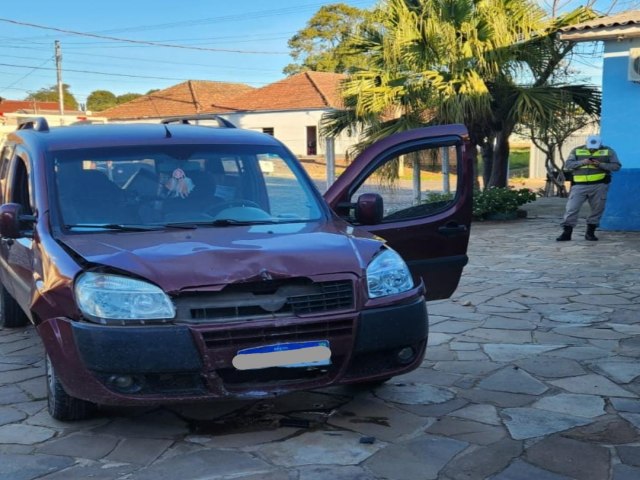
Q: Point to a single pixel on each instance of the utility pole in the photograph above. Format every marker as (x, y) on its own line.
(330, 158)
(59, 75)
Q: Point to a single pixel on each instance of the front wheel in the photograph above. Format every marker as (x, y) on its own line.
(60, 404)
(11, 315)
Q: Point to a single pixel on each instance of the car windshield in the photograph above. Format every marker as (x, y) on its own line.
(132, 188)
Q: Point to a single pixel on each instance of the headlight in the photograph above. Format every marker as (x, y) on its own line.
(112, 297)
(387, 274)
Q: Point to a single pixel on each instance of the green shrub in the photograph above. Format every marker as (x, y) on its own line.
(437, 197)
(500, 200)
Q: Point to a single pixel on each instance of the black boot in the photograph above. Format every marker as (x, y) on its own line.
(566, 234)
(590, 235)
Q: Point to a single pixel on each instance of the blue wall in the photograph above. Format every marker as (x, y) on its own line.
(620, 129)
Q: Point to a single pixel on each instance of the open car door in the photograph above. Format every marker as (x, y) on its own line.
(414, 189)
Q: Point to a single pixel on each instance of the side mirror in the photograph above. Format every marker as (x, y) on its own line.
(369, 209)
(10, 220)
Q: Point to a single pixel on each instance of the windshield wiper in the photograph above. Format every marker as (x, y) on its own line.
(116, 226)
(180, 225)
(223, 222)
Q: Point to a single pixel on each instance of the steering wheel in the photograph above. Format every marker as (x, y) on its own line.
(215, 209)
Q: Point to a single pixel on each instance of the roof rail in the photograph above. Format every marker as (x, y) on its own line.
(187, 119)
(38, 124)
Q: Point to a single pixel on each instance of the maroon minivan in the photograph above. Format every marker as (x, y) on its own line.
(177, 262)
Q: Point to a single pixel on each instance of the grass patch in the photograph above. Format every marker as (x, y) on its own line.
(518, 158)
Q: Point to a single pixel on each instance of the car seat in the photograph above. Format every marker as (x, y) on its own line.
(88, 196)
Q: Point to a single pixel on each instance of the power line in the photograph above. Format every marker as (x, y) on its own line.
(139, 42)
(74, 53)
(166, 62)
(93, 72)
(139, 60)
(12, 42)
(227, 18)
(9, 87)
(146, 77)
(227, 38)
(230, 18)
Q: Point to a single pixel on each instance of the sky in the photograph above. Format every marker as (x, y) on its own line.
(242, 41)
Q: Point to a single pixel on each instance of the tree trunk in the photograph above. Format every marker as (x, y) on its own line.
(486, 151)
(499, 172)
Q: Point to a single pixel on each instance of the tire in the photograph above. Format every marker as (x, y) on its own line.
(60, 404)
(11, 315)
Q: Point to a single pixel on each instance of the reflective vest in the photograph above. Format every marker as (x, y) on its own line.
(591, 173)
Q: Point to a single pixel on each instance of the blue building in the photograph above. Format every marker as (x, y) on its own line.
(620, 122)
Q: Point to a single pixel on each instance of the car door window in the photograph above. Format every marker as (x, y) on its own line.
(5, 162)
(425, 178)
(414, 183)
(20, 191)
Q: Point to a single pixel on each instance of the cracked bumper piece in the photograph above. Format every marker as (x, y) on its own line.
(389, 341)
(389, 327)
(137, 349)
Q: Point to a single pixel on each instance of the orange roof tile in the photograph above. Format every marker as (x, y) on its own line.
(187, 98)
(303, 91)
(630, 17)
(15, 106)
(621, 26)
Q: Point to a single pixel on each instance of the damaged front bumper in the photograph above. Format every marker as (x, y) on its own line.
(148, 365)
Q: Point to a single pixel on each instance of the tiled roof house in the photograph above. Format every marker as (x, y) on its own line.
(187, 98)
(304, 91)
(27, 106)
(12, 112)
(617, 27)
(290, 109)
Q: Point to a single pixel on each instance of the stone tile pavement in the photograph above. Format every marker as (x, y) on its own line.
(532, 373)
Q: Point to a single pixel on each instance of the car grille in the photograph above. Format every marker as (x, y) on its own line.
(247, 337)
(266, 300)
(331, 296)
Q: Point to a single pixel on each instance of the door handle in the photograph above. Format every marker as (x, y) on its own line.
(452, 228)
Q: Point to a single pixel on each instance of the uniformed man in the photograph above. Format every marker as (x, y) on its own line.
(591, 166)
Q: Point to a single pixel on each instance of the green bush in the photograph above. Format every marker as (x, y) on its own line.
(500, 201)
(437, 197)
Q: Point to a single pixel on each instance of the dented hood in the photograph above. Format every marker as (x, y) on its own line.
(215, 256)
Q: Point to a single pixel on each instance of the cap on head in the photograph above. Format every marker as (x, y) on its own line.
(593, 142)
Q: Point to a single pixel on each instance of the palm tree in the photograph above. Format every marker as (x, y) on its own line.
(537, 59)
(455, 61)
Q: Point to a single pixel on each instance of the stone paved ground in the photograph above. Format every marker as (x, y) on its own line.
(532, 373)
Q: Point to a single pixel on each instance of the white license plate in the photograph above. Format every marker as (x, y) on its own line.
(290, 355)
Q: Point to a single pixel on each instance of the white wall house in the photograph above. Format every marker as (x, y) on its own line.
(299, 130)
